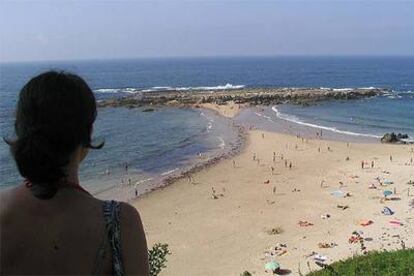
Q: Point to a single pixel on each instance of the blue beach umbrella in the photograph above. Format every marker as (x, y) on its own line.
(387, 193)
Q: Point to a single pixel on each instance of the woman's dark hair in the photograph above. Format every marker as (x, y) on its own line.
(55, 114)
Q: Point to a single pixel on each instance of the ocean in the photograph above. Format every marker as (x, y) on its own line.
(169, 140)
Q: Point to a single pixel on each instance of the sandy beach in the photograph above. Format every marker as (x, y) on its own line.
(243, 212)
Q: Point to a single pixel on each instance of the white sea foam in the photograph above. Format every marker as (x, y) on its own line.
(106, 90)
(169, 172)
(144, 180)
(227, 86)
(118, 90)
(222, 143)
(295, 120)
(342, 89)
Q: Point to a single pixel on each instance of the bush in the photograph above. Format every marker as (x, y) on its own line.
(158, 258)
(392, 263)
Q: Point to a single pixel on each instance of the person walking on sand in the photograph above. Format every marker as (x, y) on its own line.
(290, 165)
(362, 164)
(391, 158)
(372, 164)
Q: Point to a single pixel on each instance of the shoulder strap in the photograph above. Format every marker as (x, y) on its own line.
(111, 212)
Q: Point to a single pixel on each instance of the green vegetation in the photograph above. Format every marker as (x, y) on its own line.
(398, 263)
(158, 258)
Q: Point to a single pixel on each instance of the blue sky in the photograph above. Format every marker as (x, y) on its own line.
(65, 30)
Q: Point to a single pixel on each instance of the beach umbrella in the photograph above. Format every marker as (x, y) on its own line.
(272, 266)
(387, 193)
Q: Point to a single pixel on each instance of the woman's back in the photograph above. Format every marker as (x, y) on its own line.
(52, 237)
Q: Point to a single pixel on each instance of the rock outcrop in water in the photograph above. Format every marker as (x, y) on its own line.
(252, 96)
(394, 138)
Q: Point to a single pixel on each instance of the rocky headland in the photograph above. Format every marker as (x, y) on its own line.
(246, 96)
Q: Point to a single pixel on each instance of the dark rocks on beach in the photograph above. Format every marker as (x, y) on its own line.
(394, 138)
(148, 110)
(253, 96)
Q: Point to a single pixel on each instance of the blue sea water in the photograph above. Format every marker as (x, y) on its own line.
(169, 139)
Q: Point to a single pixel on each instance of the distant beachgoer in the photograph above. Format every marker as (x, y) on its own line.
(372, 164)
(50, 224)
(262, 135)
(254, 156)
(129, 181)
(290, 165)
(362, 164)
(126, 167)
(136, 192)
(391, 158)
(273, 169)
(319, 149)
(234, 164)
(274, 158)
(274, 189)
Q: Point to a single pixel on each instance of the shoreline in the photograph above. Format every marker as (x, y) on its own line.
(242, 127)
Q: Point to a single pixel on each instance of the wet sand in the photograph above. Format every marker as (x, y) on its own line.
(225, 219)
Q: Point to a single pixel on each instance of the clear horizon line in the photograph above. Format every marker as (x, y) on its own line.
(210, 57)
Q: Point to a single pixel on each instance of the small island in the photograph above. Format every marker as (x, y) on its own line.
(245, 96)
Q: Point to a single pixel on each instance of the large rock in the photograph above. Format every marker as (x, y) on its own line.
(393, 138)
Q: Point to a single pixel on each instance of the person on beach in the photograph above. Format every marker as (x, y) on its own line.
(50, 224)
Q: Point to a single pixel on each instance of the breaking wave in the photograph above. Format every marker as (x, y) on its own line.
(295, 120)
(227, 86)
